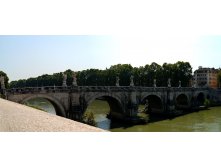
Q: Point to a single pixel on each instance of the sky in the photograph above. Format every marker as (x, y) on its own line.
(45, 36)
(27, 56)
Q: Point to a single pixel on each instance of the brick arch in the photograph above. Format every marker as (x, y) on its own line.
(57, 105)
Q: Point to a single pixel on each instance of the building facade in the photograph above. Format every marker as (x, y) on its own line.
(206, 77)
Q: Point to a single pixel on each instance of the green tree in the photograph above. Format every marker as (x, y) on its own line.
(143, 76)
(124, 71)
(137, 76)
(183, 73)
(155, 71)
(207, 103)
(180, 71)
(5, 77)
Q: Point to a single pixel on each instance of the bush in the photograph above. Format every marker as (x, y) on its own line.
(207, 103)
(88, 118)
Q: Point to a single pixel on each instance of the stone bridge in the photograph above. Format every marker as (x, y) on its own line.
(72, 102)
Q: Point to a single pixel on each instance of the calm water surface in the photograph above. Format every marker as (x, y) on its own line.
(202, 121)
(42, 104)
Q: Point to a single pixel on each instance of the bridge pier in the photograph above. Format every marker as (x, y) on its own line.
(3, 93)
(132, 108)
(170, 102)
(75, 113)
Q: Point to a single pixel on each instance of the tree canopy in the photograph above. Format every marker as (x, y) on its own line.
(143, 76)
(6, 78)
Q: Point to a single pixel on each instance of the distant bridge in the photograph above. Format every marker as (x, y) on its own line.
(72, 102)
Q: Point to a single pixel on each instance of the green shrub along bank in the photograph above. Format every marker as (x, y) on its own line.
(88, 118)
(207, 103)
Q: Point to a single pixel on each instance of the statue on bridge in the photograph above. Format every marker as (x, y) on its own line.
(64, 84)
(117, 81)
(154, 83)
(2, 82)
(180, 84)
(131, 80)
(169, 83)
(74, 83)
(194, 84)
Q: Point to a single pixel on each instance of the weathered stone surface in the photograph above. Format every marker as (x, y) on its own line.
(72, 102)
(19, 118)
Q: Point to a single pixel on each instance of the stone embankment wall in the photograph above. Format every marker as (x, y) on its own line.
(19, 118)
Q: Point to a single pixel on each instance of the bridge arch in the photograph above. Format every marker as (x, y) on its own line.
(155, 103)
(208, 97)
(60, 111)
(113, 101)
(182, 101)
(200, 98)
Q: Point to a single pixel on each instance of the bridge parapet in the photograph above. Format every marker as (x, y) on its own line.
(38, 89)
(97, 89)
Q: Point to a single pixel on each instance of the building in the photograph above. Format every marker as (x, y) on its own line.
(206, 77)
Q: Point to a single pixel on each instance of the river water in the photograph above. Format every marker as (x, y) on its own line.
(43, 104)
(201, 121)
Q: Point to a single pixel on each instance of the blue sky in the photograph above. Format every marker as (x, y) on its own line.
(136, 32)
(30, 56)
